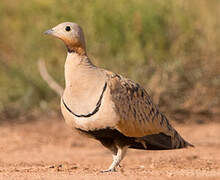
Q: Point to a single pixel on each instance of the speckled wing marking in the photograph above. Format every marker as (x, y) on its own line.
(138, 115)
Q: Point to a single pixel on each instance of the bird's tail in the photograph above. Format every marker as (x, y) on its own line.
(160, 141)
(179, 142)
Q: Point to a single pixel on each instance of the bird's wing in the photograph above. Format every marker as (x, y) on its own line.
(138, 115)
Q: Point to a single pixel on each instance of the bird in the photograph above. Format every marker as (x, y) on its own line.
(108, 107)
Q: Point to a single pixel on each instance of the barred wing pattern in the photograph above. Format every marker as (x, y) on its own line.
(139, 117)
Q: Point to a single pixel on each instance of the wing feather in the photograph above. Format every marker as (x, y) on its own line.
(138, 115)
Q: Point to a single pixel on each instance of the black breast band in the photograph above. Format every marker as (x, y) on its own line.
(98, 104)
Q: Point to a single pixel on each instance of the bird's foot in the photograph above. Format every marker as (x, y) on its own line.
(108, 170)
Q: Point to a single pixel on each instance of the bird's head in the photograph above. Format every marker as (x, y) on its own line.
(72, 36)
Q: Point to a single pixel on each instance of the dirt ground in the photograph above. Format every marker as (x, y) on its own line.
(48, 149)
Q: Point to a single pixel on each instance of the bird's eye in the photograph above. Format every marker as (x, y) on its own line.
(67, 28)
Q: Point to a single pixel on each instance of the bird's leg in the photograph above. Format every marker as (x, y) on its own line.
(121, 151)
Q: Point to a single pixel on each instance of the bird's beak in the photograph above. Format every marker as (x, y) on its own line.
(50, 31)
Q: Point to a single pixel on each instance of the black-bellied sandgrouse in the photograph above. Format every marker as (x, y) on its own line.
(108, 107)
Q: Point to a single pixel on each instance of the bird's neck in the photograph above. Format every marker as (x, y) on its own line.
(77, 50)
(77, 60)
(84, 83)
(78, 68)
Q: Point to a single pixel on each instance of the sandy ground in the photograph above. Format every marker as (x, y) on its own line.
(48, 149)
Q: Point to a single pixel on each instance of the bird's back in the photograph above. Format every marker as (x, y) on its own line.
(139, 117)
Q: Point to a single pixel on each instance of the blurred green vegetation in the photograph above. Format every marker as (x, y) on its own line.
(171, 47)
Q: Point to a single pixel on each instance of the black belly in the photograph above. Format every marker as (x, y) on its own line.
(109, 136)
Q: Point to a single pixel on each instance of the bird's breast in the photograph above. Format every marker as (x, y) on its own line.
(104, 117)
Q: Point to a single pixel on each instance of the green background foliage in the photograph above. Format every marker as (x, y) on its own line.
(171, 47)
